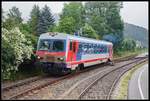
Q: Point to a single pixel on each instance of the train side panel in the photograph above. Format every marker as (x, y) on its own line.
(74, 58)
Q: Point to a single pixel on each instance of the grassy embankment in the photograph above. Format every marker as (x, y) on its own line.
(123, 84)
(129, 53)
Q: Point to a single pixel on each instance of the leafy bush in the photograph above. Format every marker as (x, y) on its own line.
(15, 48)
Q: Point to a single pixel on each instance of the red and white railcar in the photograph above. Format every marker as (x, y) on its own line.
(61, 53)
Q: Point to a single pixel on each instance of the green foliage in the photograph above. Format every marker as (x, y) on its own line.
(104, 17)
(97, 22)
(34, 18)
(76, 11)
(26, 30)
(66, 25)
(46, 20)
(128, 44)
(88, 31)
(13, 19)
(15, 48)
(113, 18)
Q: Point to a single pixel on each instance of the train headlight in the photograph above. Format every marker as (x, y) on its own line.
(61, 59)
(38, 57)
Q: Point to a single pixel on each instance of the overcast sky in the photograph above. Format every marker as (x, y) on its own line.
(132, 12)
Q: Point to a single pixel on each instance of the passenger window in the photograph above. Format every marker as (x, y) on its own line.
(95, 49)
(99, 49)
(87, 48)
(90, 48)
(80, 48)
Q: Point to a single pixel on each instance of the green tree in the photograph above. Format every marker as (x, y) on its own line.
(113, 18)
(76, 11)
(104, 17)
(88, 31)
(66, 25)
(128, 44)
(26, 30)
(15, 48)
(98, 24)
(46, 20)
(3, 17)
(13, 18)
(34, 18)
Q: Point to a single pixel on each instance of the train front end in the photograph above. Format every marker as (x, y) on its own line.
(51, 51)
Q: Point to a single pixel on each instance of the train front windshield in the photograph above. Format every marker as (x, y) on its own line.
(51, 45)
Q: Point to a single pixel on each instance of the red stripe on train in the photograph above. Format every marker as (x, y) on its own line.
(85, 61)
(42, 53)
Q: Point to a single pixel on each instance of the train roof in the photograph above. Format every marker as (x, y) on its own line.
(56, 35)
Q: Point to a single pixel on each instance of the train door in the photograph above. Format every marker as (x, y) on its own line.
(73, 46)
(74, 50)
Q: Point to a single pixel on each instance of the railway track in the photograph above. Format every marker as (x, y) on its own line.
(78, 90)
(46, 82)
(20, 83)
(107, 82)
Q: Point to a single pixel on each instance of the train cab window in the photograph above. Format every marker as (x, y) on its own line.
(44, 45)
(58, 45)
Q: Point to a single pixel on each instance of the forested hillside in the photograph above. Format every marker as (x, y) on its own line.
(137, 33)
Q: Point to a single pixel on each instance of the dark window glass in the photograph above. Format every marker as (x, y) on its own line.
(95, 48)
(70, 45)
(74, 47)
(99, 48)
(85, 48)
(80, 48)
(44, 45)
(58, 45)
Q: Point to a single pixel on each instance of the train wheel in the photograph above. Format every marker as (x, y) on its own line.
(77, 69)
(81, 66)
(109, 62)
